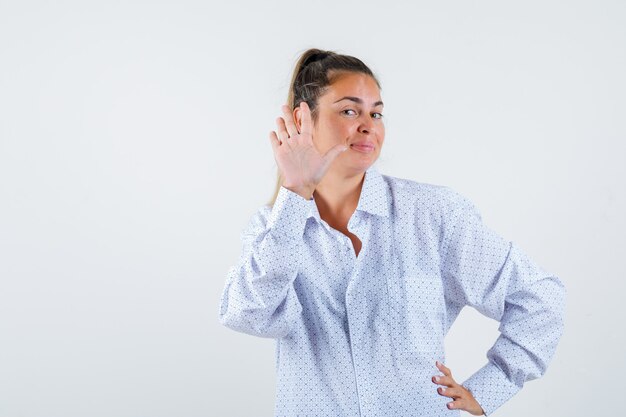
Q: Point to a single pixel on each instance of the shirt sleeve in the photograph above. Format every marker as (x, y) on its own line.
(259, 296)
(482, 270)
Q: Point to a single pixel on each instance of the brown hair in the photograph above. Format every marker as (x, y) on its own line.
(314, 71)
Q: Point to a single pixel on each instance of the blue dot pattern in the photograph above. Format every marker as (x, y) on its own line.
(359, 335)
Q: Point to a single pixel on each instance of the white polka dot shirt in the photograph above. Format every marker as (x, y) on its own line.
(359, 335)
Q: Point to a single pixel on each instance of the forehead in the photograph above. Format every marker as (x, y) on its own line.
(352, 84)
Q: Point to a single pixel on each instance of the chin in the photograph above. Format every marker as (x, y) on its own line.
(353, 162)
(361, 167)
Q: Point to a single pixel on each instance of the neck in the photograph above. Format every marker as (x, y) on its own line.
(337, 195)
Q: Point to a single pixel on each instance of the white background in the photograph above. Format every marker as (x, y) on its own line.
(134, 148)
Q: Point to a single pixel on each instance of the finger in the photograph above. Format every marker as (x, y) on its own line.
(444, 380)
(444, 370)
(274, 141)
(291, 126)
(305, 126)
(450, 392)
(281, 129)
(459, 404)
(334, 153)
(454, 405)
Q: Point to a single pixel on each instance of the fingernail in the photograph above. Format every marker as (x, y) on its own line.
(436, 378)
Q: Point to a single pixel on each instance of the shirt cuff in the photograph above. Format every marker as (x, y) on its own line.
(490, 387)
(289, 214)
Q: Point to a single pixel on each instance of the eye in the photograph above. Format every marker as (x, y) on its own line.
(380, 115)
(347, 110)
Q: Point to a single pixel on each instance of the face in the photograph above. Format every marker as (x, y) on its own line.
(350, 113)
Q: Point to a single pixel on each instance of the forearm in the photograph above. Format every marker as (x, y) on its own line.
(259, 297)
(530, 328)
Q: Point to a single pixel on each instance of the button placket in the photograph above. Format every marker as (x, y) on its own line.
(353, 334)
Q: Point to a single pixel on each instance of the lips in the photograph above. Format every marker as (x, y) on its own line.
(365, 147)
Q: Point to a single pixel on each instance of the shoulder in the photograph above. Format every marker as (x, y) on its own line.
(426, 196)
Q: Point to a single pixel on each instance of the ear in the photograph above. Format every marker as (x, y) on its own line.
(297, 118)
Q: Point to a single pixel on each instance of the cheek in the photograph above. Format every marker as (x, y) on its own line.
(337, 127)
(334, 133)
(379, 137)
(325, 137)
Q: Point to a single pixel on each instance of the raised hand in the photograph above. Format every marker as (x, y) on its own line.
(301, 165)
(463, 398)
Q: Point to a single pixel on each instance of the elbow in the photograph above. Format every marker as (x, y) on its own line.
(556, 297)
(262, 306)
(257, 322)
(551, 293)
(558, 294)
(242, 324)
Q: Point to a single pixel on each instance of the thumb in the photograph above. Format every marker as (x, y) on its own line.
(334, 153)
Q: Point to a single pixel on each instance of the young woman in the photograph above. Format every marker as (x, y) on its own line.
(359, 275)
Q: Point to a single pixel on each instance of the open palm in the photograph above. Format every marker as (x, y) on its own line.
(301, 165)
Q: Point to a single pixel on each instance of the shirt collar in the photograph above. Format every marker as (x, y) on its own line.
(374, 198)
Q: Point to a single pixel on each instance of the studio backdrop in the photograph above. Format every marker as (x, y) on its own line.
(134, 149)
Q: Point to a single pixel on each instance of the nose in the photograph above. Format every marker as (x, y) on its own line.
(366, 124)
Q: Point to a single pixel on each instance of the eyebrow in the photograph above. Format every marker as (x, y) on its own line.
(358, 100)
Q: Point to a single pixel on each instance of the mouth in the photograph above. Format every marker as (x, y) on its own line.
(364, 147)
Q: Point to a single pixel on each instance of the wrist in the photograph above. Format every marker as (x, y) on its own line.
(305, 193)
